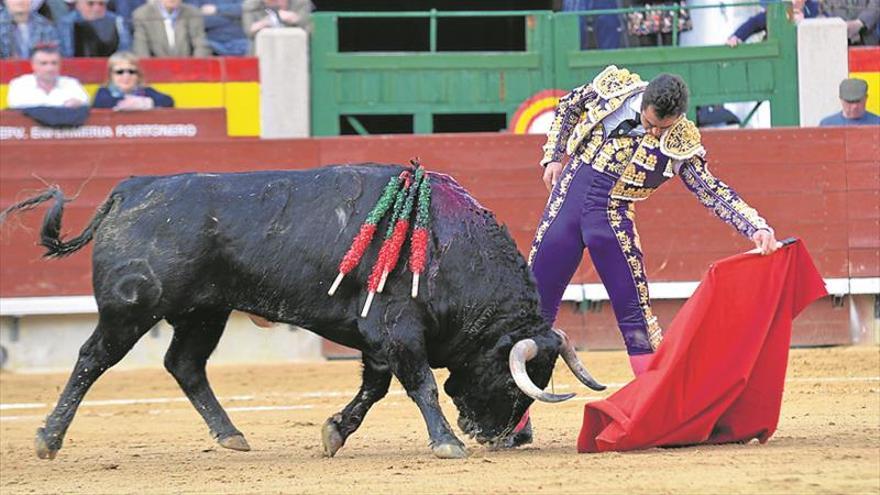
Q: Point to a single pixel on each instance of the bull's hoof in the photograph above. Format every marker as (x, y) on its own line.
(331, 438)
(42, 446)
(235, 442)
(449, 451)
(520, 438)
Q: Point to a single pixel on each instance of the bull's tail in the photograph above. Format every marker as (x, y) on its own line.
(50, 234)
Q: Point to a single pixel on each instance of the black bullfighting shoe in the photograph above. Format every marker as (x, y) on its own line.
(520, 437)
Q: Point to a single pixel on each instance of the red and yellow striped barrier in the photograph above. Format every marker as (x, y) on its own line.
(864, 63)
(232, 83)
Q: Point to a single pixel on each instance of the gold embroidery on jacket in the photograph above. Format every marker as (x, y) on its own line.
(613, 82)
(682, 140)
(715, 194)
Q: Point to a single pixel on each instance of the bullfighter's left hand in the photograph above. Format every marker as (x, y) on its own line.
(765, 241)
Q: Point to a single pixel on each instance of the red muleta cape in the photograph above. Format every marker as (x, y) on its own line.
(719, 374)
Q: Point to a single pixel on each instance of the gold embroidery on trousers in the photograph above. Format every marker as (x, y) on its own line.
(554, 204)
(627, 241)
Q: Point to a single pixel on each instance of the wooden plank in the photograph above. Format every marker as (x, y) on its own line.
(863, 144)
(864, 262)
(863, 175)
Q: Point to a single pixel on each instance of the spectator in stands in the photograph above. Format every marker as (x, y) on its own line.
(125, 9)
(654, 27)
(800, 10)
(853, 98)
(53, 10)
(126, 87)
(861, 18)
(21, 29)
(261, 14)
(91, 31)
(45, 87)
(169, 28)
(607, 27)
(223, 26)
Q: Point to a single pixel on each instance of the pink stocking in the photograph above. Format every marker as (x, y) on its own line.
(640, 363)
(522, 422)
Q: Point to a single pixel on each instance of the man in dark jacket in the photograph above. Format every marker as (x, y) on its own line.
(91, 31)
(223, 26)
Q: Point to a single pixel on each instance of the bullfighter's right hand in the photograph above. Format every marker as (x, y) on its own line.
(551, 174)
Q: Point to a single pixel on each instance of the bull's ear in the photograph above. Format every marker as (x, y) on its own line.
(503, 346)
(452, 385)
(548, 342)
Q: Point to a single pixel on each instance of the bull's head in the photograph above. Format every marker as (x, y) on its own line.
(496, 388)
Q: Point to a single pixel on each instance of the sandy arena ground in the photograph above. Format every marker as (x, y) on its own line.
(828, 439)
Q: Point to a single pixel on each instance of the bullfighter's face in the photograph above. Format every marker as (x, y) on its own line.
(488, 400)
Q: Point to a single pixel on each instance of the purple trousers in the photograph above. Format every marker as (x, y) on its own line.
(581, 214)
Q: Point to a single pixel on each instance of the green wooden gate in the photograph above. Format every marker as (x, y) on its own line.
(426, 84)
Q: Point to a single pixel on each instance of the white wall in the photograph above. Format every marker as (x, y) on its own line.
(822, 63)
(284, 83)
(53, 342)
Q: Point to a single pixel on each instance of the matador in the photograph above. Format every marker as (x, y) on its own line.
(624, 138)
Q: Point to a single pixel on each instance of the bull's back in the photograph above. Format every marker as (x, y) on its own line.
(227, 237)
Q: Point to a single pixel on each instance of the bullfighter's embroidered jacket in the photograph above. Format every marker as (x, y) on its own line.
(640, 164)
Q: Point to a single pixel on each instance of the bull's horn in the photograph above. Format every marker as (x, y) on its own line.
(569, 355)
(523, 351)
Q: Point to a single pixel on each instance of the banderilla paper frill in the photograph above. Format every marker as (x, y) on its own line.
(408, 191)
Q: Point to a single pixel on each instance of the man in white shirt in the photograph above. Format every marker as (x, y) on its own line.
(45, 87)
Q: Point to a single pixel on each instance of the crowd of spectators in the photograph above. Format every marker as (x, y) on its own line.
(148, 28)
(654, 26)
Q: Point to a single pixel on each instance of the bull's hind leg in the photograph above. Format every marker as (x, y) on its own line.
(195, 338)
(342, 424)
(112, 339)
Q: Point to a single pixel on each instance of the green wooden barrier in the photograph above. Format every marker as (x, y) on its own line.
(424, 83)
(429, 83)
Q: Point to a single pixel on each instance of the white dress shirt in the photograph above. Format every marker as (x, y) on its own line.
(24, 92)
(630, 108)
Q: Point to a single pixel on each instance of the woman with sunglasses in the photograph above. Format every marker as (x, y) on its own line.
(125, 88)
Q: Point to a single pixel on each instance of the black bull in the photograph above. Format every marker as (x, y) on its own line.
(191, 248)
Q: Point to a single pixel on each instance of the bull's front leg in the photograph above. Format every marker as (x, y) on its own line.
(338, 427)
(409, 363)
